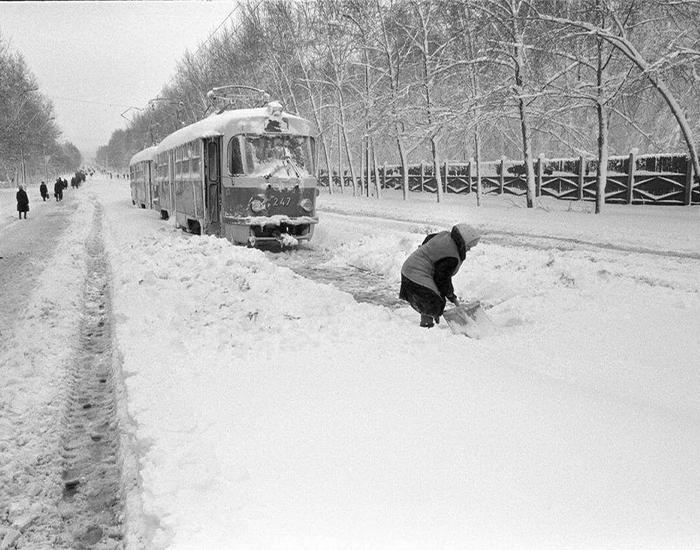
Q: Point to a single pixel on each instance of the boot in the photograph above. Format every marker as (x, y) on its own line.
(426, 321)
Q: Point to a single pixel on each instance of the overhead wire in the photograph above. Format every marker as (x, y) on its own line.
(211, 35)
(217, 29)
(110, 104)
(204, 43)
(91, 102)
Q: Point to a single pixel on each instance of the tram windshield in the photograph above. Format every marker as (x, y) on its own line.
(271, 155)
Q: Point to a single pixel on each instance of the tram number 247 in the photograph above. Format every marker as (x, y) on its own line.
(280, 201)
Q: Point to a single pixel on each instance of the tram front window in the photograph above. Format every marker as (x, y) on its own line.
(272, 156)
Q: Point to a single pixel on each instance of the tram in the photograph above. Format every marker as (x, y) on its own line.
(141, 178)
(243, 174)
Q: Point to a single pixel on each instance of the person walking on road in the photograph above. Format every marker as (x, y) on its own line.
(44, 191)
(58, 190)
(426, 275)
(22, 202)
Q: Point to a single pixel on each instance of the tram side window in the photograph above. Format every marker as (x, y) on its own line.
(213, 161)
(186, 159)
(235, 159)
(312, 155)
(195, 159)
(163, 166)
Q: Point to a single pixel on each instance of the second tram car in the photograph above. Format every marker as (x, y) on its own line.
(141, 178)
(245, 174)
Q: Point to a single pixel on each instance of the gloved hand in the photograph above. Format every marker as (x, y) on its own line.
(452, 298)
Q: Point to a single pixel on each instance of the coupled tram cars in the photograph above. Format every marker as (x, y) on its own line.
(243, 174)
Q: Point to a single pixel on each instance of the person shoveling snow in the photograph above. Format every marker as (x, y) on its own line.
(426, 275)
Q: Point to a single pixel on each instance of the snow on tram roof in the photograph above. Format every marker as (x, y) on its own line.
(234, 121)
(147, 154)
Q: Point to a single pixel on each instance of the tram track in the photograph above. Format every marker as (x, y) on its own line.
(513, 239)
(606, 260)
(364, 285)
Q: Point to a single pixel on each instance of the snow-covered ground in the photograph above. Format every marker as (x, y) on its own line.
(273, 412)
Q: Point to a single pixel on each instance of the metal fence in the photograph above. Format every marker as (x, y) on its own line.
(632, 179)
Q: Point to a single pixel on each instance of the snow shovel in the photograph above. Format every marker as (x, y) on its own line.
(469, 319)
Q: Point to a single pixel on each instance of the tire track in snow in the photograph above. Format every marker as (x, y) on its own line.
(91, 507)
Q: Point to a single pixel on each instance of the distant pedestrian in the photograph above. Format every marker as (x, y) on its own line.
(44, 191)
(22, 202)
(58, 190)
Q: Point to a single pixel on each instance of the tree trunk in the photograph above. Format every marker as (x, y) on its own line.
(363, 167)
(375, 165)
(477, 152)
(341, 107)
(404, 169)
(436, 169)
(351, 167)
(602, 175)
(393, 85)
(340, 161)
(427, 79)
(527, 154)
(518, 57)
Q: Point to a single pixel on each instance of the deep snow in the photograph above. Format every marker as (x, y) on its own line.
(271, 411)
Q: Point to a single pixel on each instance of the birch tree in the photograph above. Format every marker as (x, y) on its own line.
(336, 51)
(510, 21)
(430, 45)
(616, 34)
(393, 52)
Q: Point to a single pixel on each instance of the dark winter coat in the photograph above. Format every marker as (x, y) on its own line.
(22, 201)
(426, 275)
(43, 190)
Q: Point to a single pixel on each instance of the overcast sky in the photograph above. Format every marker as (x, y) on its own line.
(94, 60)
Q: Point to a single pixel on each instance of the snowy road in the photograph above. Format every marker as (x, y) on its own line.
(59, 469)
(25, 248)
(262, 409)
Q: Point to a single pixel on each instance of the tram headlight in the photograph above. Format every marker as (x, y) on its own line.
(257, 206)
(307, 205)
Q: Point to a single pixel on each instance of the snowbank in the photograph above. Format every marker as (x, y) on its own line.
(274, 412)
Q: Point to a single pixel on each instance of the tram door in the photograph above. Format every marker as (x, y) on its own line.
(212, 183)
